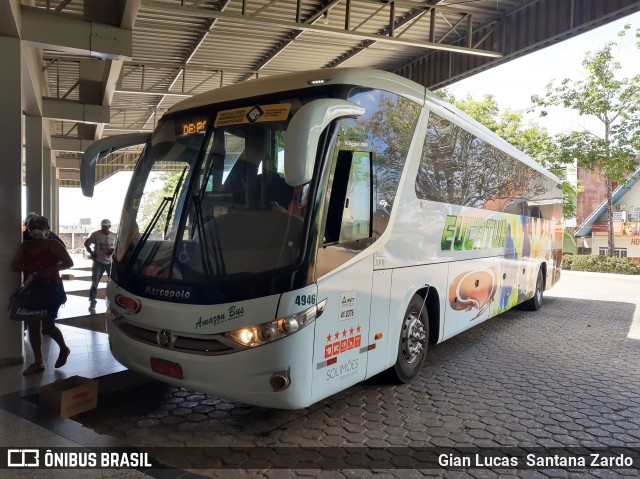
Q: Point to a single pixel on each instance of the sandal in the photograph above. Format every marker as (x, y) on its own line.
(62, 358)
(34, 368)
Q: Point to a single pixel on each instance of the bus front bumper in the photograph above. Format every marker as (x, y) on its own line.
(245, 376)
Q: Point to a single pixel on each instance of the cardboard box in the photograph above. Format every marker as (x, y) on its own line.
(70, 396)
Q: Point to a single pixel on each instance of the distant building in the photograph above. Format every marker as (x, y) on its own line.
(592, 230)
(594, 191)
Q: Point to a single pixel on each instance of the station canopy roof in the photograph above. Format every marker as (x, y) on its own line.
(115, 66)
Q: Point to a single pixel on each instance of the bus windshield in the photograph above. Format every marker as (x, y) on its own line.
(208, 198)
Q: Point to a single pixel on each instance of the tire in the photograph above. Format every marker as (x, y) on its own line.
(534, 303)
(413, 343)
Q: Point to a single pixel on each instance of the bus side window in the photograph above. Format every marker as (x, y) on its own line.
(349, 211)
(535, 212)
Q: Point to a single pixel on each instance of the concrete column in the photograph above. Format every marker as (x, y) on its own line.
(33, 167)
(11, 332)
(47, 188)
(55, 198)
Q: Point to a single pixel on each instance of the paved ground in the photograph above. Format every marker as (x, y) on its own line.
(568, 375)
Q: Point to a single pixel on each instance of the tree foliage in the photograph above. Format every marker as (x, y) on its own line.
(466, 170)
(531, 138)
(152, 199)
(615, 103)
(390, 130)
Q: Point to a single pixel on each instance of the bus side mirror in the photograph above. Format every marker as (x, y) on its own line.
(303, 135)
(101, 148)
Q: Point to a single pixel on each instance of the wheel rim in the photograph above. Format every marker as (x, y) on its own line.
(413, 336)
(539, 288)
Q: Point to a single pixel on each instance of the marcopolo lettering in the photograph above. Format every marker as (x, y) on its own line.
(167, 293)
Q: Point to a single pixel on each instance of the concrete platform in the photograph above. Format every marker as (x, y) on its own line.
(564, 377)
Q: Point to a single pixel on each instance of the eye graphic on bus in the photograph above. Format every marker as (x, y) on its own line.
(132, 306)
(473, 290)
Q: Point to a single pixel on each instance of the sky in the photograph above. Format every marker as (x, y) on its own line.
(106, 202)
(512, 84)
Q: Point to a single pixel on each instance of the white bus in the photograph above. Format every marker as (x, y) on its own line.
(285, 238)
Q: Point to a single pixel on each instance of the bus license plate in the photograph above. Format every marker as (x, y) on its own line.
(166, 368)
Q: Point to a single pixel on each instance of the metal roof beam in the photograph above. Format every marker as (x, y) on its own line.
(408, 18)
(154, 92)
(529, 27)
(349, 34)
(292, 36)
(73, 35)
(130, 67)
(128, 130)
(68, 163)
(68, 110)
(74, 145)
(69, 175)
(198, 43)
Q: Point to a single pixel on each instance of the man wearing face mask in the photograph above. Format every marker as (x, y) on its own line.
(26, 235)
(104, 242)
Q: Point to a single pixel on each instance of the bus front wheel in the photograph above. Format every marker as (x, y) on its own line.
(414, 339)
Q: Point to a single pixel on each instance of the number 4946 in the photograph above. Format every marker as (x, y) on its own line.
(303, 300)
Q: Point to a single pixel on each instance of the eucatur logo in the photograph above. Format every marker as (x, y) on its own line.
(131, 306)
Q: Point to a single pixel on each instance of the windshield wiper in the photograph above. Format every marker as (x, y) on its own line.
(173, 201)
(204, 246)
(147, 231)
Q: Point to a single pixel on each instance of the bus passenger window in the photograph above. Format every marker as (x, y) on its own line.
(349, 212)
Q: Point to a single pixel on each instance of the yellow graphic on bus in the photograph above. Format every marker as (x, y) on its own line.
(253, 114)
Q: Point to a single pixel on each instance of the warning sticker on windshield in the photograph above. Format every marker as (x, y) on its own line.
(253, 114)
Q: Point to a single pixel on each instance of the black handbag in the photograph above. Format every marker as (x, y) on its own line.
(61, 295)
(28, 302)
(49, 293)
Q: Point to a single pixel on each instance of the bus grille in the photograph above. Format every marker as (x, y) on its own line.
(186, 344)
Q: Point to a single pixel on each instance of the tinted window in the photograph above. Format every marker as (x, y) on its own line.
(349, 210)
(459, 168)
(386, 130)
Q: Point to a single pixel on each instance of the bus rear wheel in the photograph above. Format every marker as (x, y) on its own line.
(534, 303)
(414, 340)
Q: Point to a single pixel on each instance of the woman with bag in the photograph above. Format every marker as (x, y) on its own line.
(41, 259)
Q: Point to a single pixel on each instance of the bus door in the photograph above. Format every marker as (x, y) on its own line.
(473, 293)
(380, 317)
(344, 270)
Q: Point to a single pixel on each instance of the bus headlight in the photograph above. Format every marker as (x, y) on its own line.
(259, 334)
(246, 336)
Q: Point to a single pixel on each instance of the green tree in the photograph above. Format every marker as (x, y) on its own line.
(151, 201)
(390, 128)
(615, 103)
(531, 138)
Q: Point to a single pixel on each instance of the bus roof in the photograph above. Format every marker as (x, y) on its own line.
(367, 77)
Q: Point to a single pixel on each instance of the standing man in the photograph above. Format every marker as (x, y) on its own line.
(104, 241)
